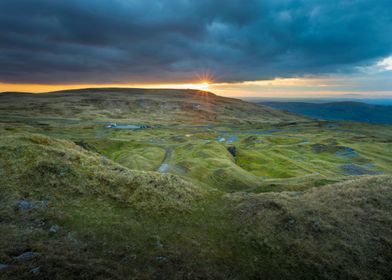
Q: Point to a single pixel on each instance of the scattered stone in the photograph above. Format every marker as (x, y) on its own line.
(39, 223)
(24, 205)
(158, 244)
(353, 169)
(45, 204)
(346, 152)
(295, 194)
(3, 266)
(35, 270)
(162, 258)
(319, 148)
(291, 222)
(316, 226)
(196, 106)
(54, 229)
(26, 256)
(232, 150)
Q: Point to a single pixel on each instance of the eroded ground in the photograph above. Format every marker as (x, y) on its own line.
(293, 156)
(83, 201)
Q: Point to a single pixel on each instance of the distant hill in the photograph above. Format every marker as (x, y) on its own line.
(353, 111)
(140, 105)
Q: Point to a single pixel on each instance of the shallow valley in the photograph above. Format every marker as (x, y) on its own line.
(189, 192)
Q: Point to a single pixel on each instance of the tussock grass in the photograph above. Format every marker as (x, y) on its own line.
(117, 223)
(38, 166)
(269, 212)
(337, 231)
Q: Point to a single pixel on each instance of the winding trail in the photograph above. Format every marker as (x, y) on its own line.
(165, 166)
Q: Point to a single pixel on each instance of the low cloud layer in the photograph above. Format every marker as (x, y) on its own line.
(145, 41)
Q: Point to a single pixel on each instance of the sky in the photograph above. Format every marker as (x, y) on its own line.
(273, 48)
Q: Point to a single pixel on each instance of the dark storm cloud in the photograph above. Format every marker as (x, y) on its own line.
(114, 41)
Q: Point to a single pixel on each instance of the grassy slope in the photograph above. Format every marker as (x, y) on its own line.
(340, 231)
(148, 106)
(119, 219)
(117, 223)
(66, 168)
(284, 160)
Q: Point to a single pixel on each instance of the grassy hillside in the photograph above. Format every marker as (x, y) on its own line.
(340, 231)
(80, 216)
(353, 111)
(148, 106)
(245, 195)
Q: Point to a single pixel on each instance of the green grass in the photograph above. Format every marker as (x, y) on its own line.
(282, 206)
(198, 156)
(117, 223)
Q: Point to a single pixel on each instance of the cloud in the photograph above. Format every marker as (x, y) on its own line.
(386, 63)
(142, 41)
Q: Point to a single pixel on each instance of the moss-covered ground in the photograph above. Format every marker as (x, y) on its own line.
(266, 156)
(295, 201)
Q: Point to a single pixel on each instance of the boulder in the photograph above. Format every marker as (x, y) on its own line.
(26, 256)
(3, 266)
(232, 150)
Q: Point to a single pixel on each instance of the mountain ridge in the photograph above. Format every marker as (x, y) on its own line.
(142, 105)
(342, 110)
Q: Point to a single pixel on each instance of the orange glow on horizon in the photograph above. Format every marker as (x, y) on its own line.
(40, 88)
(279, 87)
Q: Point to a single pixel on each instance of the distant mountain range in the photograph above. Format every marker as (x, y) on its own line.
(353, 111)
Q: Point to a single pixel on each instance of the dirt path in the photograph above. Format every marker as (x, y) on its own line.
(165, 166)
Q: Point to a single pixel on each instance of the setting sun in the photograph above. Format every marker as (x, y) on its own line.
(172, 139)
(203, 85)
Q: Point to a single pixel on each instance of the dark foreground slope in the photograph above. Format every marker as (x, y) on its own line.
(67, 213)
(353, 111)
(150, 106)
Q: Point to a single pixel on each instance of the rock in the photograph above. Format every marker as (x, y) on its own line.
(196, 106)
(319, 148)
(54, 229)
(35, 270)
(164, 168)
(3, 266)
(346, 152)
(26, 256)
(45, 204)
(162, 258)
(232, 150)
(291, 222)
(354, 169)
(158, 244)
(24, 205)
(295, 194)
(316, 226)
